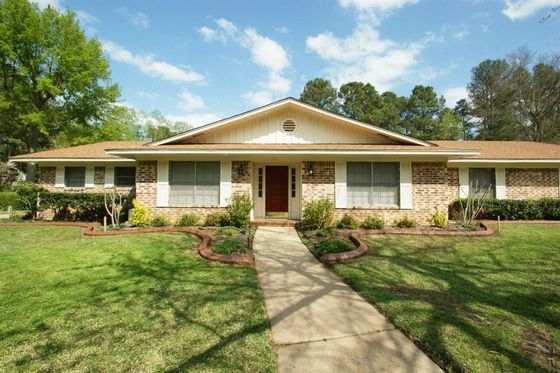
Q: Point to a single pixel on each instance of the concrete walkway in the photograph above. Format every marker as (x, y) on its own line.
(318, 323)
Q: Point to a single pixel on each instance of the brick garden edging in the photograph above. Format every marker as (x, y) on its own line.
(88, 229)
(362, 248)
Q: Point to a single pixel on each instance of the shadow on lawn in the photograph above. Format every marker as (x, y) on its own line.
(466, 283)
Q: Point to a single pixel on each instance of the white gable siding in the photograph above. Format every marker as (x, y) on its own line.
(310, 129)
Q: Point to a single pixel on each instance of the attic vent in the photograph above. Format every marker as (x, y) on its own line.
(289, 125)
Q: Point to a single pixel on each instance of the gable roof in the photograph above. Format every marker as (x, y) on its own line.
(95, 151)
(299, 104)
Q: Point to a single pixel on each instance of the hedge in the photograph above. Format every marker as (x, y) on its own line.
(509, 209)
(9, 199)
(80, 206)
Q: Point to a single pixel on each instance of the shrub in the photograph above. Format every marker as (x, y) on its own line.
(438, 219)
(229, 247)
(160, 221)
(333, 246)
(324, 232)
(215, 219)
(373, 222)
(405, 222)
(79, 206)
(317, 214)
(141, 215)
(30, 197)
(188, 220)
(238, 210)
(9, 199)
(509, 209)
(227, 231)
(348, 222)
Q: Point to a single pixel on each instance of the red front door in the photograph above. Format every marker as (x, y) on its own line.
(276, 190)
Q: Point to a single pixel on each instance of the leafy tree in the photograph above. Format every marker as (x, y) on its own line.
(51, 76)
(391, 112)
(426, 117)
(360, 101)
(320, 92)
(463, 112)
(493, 100)
(538, 90)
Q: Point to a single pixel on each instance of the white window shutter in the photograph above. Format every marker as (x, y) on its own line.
(463, 182)
(59, 178)
(225, 183)
(406, 185)
(90, 177)
(109, 177)
(340, 201)
(162, 196)
(500, 183)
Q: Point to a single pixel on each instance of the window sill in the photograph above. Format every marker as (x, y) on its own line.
(191, 206)
(377, 207)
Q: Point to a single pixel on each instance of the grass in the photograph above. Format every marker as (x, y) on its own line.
(333, 246)
(229, 246)
(473, 304)
(125, 303)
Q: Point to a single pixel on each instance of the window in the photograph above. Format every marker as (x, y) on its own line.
(293, 182)
(194, 183)
(75, 177)
(125, 176)
(483, 180)
(372, 184)
(260, 182)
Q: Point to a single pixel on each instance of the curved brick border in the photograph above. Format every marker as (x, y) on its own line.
(204, 250)
(362, 248)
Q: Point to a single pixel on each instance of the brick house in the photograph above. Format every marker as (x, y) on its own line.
(288, 153)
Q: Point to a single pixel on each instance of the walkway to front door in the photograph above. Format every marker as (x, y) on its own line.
(318, 323)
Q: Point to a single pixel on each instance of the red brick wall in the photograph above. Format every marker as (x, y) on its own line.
(528, 183)
(47, 179)
(241, 177)
(317, 180)
(452, 184)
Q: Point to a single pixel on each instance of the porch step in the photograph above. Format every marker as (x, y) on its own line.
(274, 223)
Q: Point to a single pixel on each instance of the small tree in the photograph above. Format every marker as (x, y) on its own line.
(471, 206)
(30, 197)
(114, 206)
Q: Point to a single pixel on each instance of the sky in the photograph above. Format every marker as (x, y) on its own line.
(202, 60)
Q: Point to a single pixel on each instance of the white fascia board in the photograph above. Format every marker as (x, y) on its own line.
(501, 161)
(66, 160)
(287, 101)
(297, 152)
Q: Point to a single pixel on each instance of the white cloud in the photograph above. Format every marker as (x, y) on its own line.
(460, 35)
(137, 18)
(195, 119)
(149, 65)
(85, 17)
(147, 95)
(365, 56)
(454, 94)
(265, 52)
(283, 30)
(190, 102)
(519, 9)
(258, 98)
(382, 5)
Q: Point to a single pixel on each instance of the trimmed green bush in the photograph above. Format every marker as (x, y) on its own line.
(373, 222)
(317, 214)
(238, 211)
(509, 209)
(30, 197)
(188, 220)
(348, 222)
(9, 199)
(215, 219)
(405, 222)
(160, 221)
(333, 246)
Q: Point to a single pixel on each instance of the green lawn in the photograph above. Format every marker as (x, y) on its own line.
(472, 304)
(125, 303)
